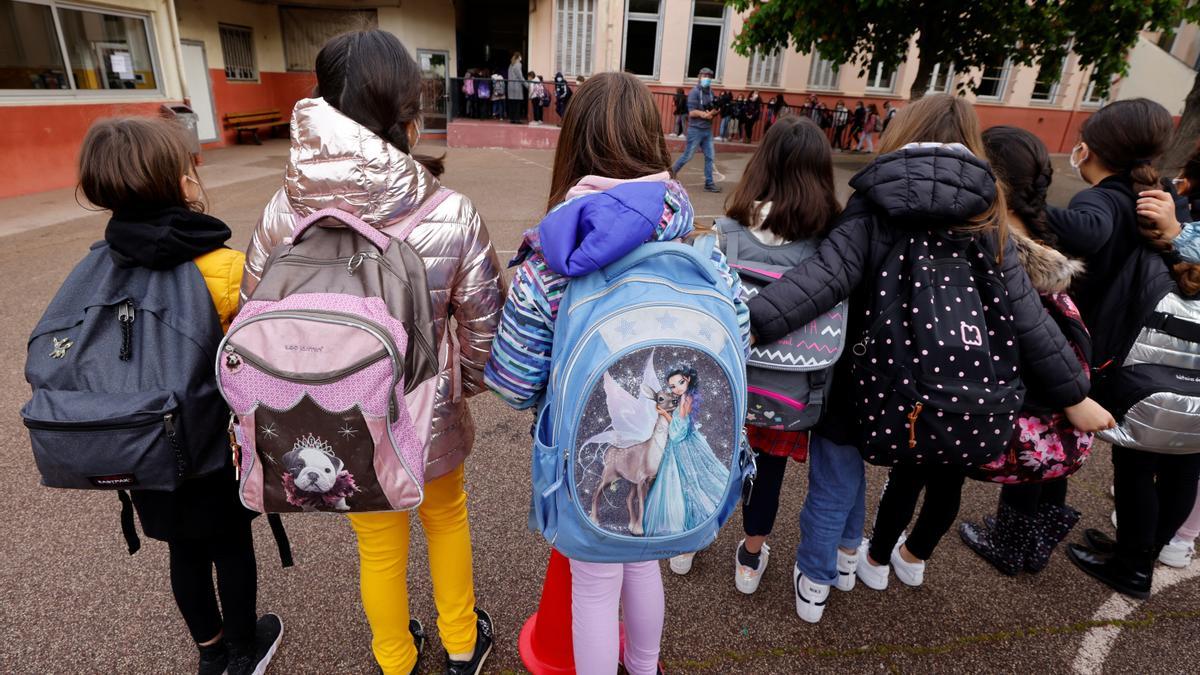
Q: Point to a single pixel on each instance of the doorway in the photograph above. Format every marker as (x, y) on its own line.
(435, 82)
(199, 87)
(489, 31)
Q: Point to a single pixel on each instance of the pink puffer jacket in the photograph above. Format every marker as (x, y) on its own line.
(337, 163)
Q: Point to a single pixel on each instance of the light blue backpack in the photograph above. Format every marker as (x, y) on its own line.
(639, 451)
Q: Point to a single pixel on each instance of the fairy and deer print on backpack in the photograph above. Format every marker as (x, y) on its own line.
(330, 370)
(937, 367)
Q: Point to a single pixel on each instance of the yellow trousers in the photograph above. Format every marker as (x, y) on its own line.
(383, 558)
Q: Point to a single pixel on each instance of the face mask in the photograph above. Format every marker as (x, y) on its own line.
(1077, 163)
(705, 82)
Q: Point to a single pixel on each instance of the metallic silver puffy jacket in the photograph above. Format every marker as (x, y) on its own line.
(337, 163)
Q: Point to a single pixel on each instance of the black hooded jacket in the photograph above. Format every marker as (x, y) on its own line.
(927, 186)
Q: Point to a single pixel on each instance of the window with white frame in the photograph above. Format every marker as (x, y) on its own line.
(879, 80)
(993, 81)
(642, 21)
(1049, 80)
(48, 46)
(1091, 97)
(307, 29)
(823, 73)
(941, 78)
(575, 29)
(237, 48)
(706, 45)
(764, 69)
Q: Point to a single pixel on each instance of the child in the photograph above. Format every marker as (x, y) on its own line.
(499, 91)
(537, 96)
(1154, 492)
(898, 197)
(352, 150)
(867, 142)
(562, 94)
(785, 203)
(751, 111)
(141, 170)
(600, 151)
(1032, 518)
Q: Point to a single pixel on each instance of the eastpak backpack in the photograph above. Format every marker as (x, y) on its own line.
(787, 381)
(936, 371)
(330, 369)
(639, 451)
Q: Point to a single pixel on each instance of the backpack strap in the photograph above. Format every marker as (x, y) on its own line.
(281, 540)
(704, 245)
(127, 528)
(402, 229)
(379, 239)
(1174, 326)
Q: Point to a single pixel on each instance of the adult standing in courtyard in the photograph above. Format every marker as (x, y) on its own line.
(516, 89)
(699, 132)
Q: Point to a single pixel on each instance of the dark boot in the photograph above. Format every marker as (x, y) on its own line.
(1099, 541)
(1130, 574)
(1006, 544)
(1054, 523)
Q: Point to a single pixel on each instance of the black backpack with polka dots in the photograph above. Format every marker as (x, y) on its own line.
(937, 366)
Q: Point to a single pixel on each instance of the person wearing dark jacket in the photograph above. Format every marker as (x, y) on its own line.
(562, 95)
(750, 112)
(930, 177)
(1132, 269)
(681, 112)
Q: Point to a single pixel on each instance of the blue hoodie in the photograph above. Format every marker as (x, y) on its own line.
(578, 237)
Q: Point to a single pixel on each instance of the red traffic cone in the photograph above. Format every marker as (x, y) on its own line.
(546, 645)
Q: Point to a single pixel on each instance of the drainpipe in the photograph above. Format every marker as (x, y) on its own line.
(178, 48)
(1071, 117)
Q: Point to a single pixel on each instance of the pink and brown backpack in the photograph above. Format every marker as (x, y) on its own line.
(330, 370)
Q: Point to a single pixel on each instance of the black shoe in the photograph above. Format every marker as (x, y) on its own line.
(1006, 544)
(711, 187)
(214, 658)
(418, 634)
(253, 658)
(1131, 578)
(484, 637)
(1051, 527)
(1099, 541)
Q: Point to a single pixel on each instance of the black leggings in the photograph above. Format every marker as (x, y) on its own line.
(1027, 498)
(943, 492)
(758, 513)
(192, 562)
(1154, 494)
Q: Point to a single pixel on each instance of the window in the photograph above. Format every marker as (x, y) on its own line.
(1091, 97)
(1049, 77)
(764, 69)
(881, 81)
(822, 74)
(237, 46)
(993, 81)
(51, 47)
(305, 31)
(706, 47)
(642, 37)
(941, 78)
(575, 26)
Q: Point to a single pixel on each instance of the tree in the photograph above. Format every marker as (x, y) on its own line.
(973, 34)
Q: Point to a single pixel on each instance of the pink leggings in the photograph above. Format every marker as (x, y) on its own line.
(597, 589)
(1191, 527)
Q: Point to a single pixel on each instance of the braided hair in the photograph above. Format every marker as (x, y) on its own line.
(1022, 163)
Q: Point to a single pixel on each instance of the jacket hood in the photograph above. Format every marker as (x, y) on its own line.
(584, 234)
(1049, 270)
(336, 163)
(928, 181)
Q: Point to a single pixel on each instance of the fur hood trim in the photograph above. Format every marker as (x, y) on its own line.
(1048, 269)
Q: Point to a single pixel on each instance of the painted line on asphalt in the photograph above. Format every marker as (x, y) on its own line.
(1098, 642)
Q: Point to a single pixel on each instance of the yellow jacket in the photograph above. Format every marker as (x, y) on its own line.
(222, 272)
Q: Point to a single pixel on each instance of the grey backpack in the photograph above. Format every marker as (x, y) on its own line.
(787, 380)
(124, 394)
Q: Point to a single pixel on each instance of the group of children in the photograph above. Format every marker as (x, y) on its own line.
(940, 184)
(487, 95)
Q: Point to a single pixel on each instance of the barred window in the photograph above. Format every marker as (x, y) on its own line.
(575, 28)
(237, 48)
(764, 69)
(306, 29)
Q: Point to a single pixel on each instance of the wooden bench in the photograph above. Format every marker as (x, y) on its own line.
(251, 122)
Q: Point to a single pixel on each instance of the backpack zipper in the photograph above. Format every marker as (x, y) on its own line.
(232, 351)
(125, 316)
(86, 427)
(180, 460)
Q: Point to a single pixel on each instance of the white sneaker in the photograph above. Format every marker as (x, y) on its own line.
(1178, 553)
(747, 578)
(874, 576)
(847, 564)
(910, 574)
(810, 597)
(682, 564)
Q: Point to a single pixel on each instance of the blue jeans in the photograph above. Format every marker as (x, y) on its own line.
(702, 138)
(834, 509)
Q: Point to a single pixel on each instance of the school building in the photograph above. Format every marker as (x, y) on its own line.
(65, 63)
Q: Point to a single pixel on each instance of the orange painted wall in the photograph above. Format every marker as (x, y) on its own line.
(41, 143)
(273, 91)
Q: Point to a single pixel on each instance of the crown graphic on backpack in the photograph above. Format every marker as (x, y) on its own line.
(330, 369)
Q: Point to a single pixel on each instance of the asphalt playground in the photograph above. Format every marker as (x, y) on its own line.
(73, 601)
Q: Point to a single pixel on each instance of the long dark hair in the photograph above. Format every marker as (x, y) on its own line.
(369, 77)
(1022, 163)
(135, 163)
(611, 129)
(1127, 137)
(1191, 173)
(693, 383)
(793, 169)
